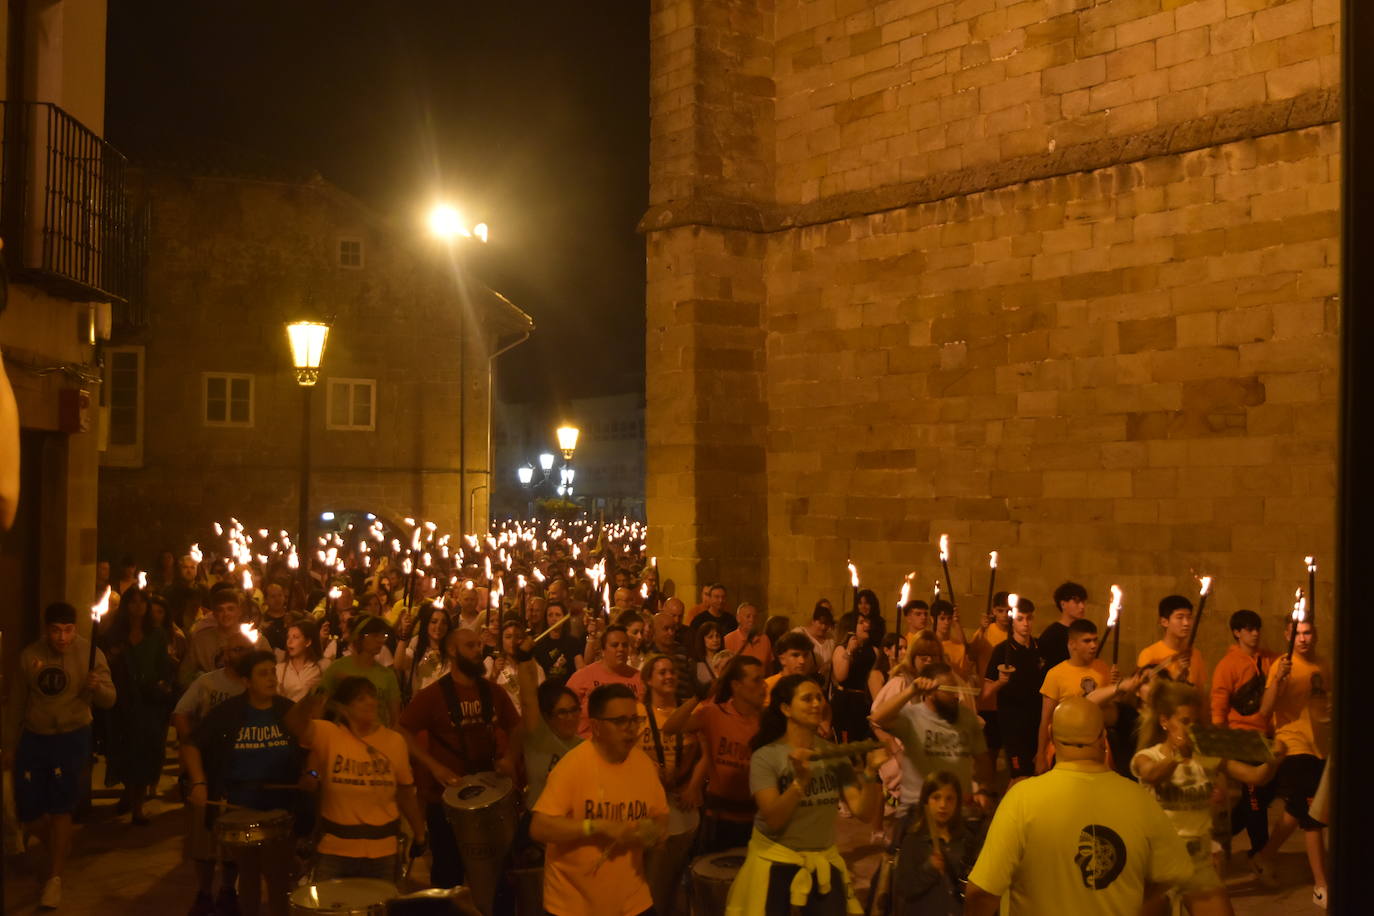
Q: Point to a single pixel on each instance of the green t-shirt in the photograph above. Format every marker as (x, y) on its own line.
(812, 824)
(543, 749)
(382, 677)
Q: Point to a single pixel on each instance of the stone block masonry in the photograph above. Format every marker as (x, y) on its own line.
(1056, 277)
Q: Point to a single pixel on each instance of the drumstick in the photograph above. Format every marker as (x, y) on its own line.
(852, 749)
(604, 856)
(951, 688)
(551, 629)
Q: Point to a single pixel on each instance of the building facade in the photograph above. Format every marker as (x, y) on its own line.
(206, 416)
(1056, 277)
(71, 254)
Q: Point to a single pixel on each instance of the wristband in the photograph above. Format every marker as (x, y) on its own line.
(587, 827)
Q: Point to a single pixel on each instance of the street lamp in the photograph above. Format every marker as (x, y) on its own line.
(526, 474)
(446, 223)
(567, 440)
(546, 461)
(307, 340)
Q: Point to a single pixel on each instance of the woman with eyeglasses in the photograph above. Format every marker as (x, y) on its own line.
(550, 713)
(797, 787)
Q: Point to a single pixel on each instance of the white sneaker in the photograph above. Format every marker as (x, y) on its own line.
(1319, 896)
(52, 894)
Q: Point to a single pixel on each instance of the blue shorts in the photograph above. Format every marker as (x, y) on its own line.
(47, 772)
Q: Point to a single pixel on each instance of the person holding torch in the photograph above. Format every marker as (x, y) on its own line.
(48, 740)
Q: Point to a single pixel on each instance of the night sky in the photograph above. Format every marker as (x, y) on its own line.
(532, 115)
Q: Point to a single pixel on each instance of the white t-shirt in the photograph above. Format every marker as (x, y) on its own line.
(1187, 795)
(205, 693)
(929, 743)
(293, 684)
(1079, 839)
(508, 679)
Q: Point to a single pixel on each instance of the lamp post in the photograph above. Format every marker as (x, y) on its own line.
(307, 340)
(448, 225)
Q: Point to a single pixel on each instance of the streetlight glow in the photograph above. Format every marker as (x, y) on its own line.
(567, 440)
(526, 474)
(446, 222)
(307, 339)
(546, 461)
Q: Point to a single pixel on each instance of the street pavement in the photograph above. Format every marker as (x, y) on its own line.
(117, 868)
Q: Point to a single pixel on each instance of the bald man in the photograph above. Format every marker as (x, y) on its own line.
(666, 629)
(1080, 838)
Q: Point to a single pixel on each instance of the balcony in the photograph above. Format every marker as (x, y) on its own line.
(66, 220)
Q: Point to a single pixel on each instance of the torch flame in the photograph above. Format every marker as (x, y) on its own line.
(944, 548)
(406, 566)
(1311, 563)
(195, 553)
(1206, 585)
(142, 580)
(1299, 607)
(247, 579)
(1115, 608)
(992, 560)
(335, 593)
(853, 575)
(644, 591)
(409, 521)
(1013, 602)
(538, 575)
(292, 561)
(250, 632)
(101, 607)
(653, 561)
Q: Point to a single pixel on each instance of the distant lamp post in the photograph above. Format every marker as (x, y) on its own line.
(567, 441)
(546, 462)
(526, 475)
(307, 340)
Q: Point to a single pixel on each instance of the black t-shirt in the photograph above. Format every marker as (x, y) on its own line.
(1054, 644)
(274, 631)
(726, 622)
(558, 656)
(1021, 696)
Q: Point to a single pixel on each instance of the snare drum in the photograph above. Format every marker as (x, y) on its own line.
(481, 810)
(344, 897)
(712, 876)
(246, 828)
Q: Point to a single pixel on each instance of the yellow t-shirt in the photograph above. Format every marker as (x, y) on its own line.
(358, 782)
(1079, 839)
(1157, 652)
(1069, 680)
(768, 683)
(585, 785)
(1292, 698)
(956, 654)
(1297, 737)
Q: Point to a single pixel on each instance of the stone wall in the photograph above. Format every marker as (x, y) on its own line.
(1057, 278)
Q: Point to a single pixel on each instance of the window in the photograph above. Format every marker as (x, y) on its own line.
(352, 404)
(123, 391)
(351, 253)
(228, 399)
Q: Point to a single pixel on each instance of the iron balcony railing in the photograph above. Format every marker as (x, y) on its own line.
(66, 218)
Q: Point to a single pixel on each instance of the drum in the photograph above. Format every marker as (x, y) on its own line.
(246, 828)
(344, 897)
(712, 876)
(481, 810)
(529, 891)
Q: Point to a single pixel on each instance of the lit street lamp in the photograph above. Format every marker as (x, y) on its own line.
(526, 474)
(446, 223)
(307, 340)
(546, 462)
(567, 441)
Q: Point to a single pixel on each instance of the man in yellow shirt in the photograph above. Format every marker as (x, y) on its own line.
(1083, 675)
(1172, 651)
(1293, 680)
(1080, 839)
(602, 806)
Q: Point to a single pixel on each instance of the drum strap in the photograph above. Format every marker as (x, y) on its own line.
(658, 737)
(455, 714)
(361, 831)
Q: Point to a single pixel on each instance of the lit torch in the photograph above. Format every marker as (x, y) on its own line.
(249, 632)
(1299, 615)
(98, 612)
(1113, 618)
(1204, 589)
(854, 583)
(142, 580)
(1311, 582)
(944, 564)
(992, 583)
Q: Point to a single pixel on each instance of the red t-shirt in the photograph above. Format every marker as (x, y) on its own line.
(593, 676)
(725, 734)
(479, 746)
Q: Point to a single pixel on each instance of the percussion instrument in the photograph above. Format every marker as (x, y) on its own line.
(247, 828)
(434, 901)
(481, 810)
(712, 876)
(529, 891)
(343, 897)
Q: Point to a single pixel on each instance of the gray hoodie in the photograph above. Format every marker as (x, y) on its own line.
(50, 695)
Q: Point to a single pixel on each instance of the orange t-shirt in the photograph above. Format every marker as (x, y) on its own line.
(584, 785)
(358, 782)
(768, 683)
(956, 655)
(725, 734)
(592, 676)
(1069, 680)
(1159, 651)
(1292, 698)
(760, 647)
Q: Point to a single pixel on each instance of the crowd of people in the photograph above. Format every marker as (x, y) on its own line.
(343, 698)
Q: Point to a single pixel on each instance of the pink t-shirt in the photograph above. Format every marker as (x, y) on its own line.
(588, 678)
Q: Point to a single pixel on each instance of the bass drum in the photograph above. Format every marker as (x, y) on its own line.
(712, 876)
(343, 897)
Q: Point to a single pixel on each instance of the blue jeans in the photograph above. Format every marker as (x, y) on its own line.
(328, 868)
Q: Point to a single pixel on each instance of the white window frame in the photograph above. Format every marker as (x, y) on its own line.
(131, 455)
(229, 377)
(371, 384)
(362, 253)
